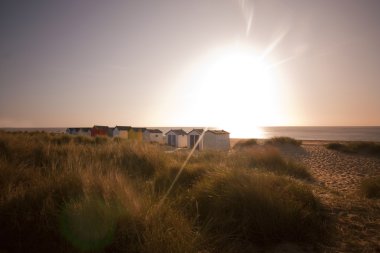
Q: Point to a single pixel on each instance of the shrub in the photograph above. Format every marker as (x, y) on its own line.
(168, 230)
(83, 140)
(269, 159)
(61, 139)
(101, 140)
(4, 149)
(117, 139)
(245, 143)
(247, 206)
(283, 140)
(30, 209)
(370, 187)
(208, 156)
(335, 146)
(189, 176)
(89, 223)
(67, 196)
(367, 148)
(140, 160)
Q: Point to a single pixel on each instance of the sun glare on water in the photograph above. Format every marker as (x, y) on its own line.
(234, 89)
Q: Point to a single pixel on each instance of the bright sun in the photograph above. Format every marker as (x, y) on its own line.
(234, 89)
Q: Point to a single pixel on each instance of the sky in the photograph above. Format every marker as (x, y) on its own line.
(232, 64)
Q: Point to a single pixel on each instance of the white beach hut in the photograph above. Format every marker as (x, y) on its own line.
(84, 131)
(121, 131)
(154, 135)
(216, 139)
(176, 138)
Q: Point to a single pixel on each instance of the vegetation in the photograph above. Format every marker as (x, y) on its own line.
(245, 143)
(268, 159)
(367, 148)
(371, 187)
(255, 207)
(77, 194)
(283, 140)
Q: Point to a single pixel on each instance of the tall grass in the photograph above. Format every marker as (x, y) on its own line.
(370, 187)
(60, 193)
(268, 159)
(283, 140)
(367, 148)
(245, 143)
(243, 205)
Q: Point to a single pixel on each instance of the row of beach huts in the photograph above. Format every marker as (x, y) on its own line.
(178, 138)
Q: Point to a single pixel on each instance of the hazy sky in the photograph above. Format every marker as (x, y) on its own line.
(147, 63)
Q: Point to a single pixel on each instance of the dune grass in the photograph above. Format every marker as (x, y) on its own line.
(367, 148)
(370, 187)
(283, 140)
(63, 193)
(268, 159)
(245, 143)
(263, 209)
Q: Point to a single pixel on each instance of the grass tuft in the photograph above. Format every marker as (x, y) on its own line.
(64, 193)
(283, 140)
(248, 206)
(189, 176)
(370, 187)
(269, 160)
(245, 143)
(366, 148)
(101, 140)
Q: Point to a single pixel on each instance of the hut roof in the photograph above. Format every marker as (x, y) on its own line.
(177, 132)
(101, 127)
(154, 131)
(198, 130)
(218, 131)
(123, 127)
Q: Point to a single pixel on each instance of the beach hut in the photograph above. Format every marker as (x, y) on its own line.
(99, 131)
(176, 138)
(216, 139)
(121, 131)
(84, 131)
(154, 135)
(193, 136)
(72, 130)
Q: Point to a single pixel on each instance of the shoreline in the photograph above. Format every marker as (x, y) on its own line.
(234, 141)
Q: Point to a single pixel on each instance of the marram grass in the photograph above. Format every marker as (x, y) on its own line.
(78, 194)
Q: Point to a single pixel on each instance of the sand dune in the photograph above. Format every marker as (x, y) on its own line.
(338, 177)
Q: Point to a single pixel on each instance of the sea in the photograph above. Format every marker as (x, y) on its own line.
(327, 133)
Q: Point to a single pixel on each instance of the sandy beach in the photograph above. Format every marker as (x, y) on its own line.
(356, 219)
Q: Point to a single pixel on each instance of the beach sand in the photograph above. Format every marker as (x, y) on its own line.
(355, 219)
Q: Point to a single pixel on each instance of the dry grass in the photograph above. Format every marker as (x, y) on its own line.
(370, 187)
(263, 209)
(268, 159)
(366, 148)
(245, 143)
(77, 194)
(283, 140)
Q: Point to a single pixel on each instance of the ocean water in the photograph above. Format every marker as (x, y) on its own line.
(301, 133)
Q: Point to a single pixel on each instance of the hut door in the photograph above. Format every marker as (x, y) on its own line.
(192, 142)
(196, 138)
(172, 140)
